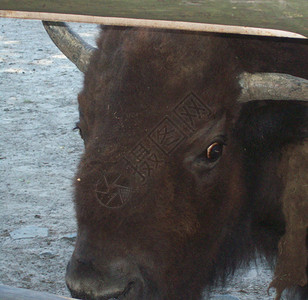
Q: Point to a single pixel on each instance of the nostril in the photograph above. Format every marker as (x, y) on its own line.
(81, 261)
(128, 288)
(84, 262)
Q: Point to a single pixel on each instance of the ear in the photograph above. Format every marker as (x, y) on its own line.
(267, 126)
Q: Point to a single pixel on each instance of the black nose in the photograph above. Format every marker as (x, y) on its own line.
(117, 279)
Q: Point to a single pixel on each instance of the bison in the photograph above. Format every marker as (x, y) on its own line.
(195, 162)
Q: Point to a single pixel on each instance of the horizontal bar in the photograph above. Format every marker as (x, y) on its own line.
(177, 25)
(12, 293)
(286, 15)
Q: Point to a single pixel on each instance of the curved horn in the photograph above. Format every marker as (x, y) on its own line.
(70, 44)
(272, 86)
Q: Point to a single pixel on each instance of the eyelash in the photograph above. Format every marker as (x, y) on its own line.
(77, 127)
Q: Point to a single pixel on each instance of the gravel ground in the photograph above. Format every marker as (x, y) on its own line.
(39, 152)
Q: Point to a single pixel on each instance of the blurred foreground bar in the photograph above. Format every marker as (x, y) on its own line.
(286, 15)
(11, 293)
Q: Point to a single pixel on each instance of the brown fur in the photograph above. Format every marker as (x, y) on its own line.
(293, 255)
(182, 230)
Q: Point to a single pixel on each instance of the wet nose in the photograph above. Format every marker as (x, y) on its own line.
(117, 279)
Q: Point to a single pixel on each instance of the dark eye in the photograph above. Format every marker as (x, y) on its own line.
(202, 164)
(214, 151)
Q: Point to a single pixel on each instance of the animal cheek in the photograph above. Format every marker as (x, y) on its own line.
(189, 226)
(179, 220)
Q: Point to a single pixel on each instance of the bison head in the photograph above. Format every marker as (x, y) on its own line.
(163, 201)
